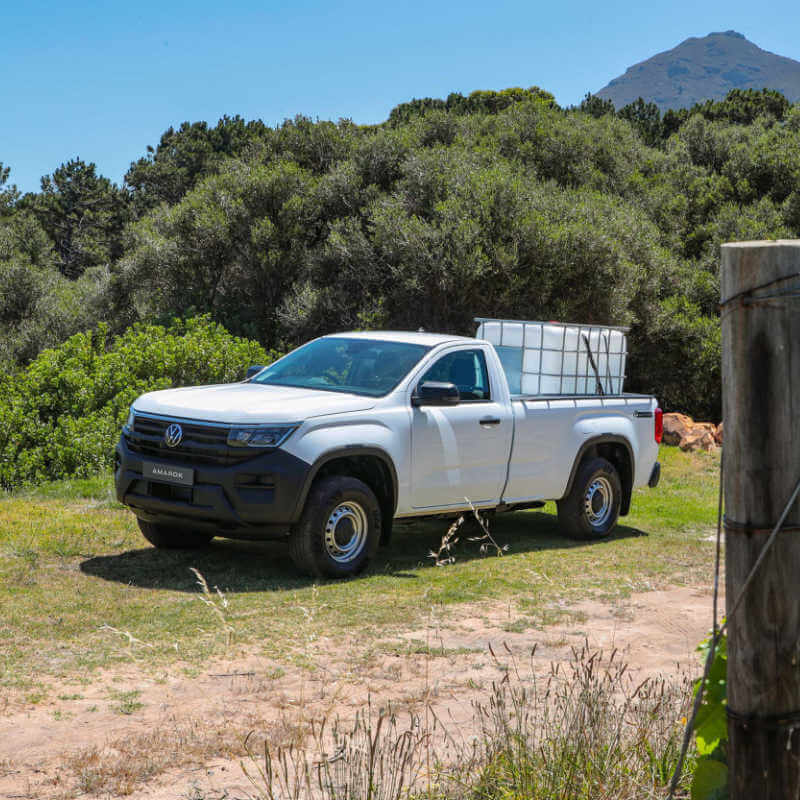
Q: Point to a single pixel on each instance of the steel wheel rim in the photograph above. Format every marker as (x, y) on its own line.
(598, 502)
(346, 532)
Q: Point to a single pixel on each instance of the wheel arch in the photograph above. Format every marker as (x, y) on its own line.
(372, 465)
(615, 449)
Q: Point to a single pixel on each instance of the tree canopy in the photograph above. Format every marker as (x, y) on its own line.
(489, 204)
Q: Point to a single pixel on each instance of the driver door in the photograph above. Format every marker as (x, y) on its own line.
(460, 451)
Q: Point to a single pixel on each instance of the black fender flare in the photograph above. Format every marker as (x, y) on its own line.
(627, 481)
(347, 452)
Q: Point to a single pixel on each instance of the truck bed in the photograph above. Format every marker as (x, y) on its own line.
(550, 430)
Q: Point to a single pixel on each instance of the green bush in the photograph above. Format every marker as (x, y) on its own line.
(61, 415)
(676, 355)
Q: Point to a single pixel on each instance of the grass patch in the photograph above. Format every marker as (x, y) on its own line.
(79, 587)
(416, 647)
(127, 702)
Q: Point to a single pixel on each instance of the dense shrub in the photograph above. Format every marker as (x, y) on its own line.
(61, 415)
(481, 101)
(492, 203)
(679, 330)
(232, 247)
(39, 306)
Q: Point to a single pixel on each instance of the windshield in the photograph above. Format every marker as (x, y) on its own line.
(356, 366)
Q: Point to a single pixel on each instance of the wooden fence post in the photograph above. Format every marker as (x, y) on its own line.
(760, 284)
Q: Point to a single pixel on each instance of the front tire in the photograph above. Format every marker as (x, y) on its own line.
(167, 537)
(591, 509)
(339, 531)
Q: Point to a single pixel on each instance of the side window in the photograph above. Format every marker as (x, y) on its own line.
(466, 369)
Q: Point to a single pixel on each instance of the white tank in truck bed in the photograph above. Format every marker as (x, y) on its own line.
(554, 358)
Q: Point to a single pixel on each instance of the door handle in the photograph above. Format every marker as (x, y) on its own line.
(489, 421)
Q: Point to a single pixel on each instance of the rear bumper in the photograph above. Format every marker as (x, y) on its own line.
(255, 499)
(655, 476)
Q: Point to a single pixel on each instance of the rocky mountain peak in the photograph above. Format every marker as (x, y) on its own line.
(704, 68)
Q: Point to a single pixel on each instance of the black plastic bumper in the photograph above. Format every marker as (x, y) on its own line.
(655, 476)
(255, 499)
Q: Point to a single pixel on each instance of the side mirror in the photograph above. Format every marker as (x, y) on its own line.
(254, 370)
(434, 393)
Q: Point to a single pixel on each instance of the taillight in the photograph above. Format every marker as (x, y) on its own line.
(658, 431)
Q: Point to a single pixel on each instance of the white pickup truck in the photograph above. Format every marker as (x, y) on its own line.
(331, 443)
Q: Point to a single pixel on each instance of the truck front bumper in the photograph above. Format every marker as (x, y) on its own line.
(255, 499)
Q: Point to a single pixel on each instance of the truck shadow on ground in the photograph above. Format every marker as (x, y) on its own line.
(237, 566)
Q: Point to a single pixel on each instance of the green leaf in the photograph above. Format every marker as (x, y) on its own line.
(711, 727)
(710, 781)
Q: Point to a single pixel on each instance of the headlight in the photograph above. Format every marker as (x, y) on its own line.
(268, 436)
(131, 418)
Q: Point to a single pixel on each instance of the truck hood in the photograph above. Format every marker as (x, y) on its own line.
(247, 403)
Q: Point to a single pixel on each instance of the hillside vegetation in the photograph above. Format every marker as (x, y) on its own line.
(495, 204)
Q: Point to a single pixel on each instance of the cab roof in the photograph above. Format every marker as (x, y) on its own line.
(409, 337)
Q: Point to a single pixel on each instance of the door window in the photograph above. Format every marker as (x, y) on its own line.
(467, 370)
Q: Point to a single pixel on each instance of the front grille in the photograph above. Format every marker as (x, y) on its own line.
(201, 444)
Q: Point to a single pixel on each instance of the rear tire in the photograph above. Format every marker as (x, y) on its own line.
(167, 537)
(591, 509)
(340, 529)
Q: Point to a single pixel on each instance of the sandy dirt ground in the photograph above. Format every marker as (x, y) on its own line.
(170, 735)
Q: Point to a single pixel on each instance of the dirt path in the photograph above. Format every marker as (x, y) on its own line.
(173, 736)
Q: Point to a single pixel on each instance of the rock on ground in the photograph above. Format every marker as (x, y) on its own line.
(682, 431)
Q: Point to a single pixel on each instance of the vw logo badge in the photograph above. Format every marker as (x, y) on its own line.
(173, 435)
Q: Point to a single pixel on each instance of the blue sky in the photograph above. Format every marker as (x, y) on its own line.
(101, 81)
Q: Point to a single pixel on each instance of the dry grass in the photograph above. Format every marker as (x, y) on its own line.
(584, 732)
(376, 757)
(126, 763)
